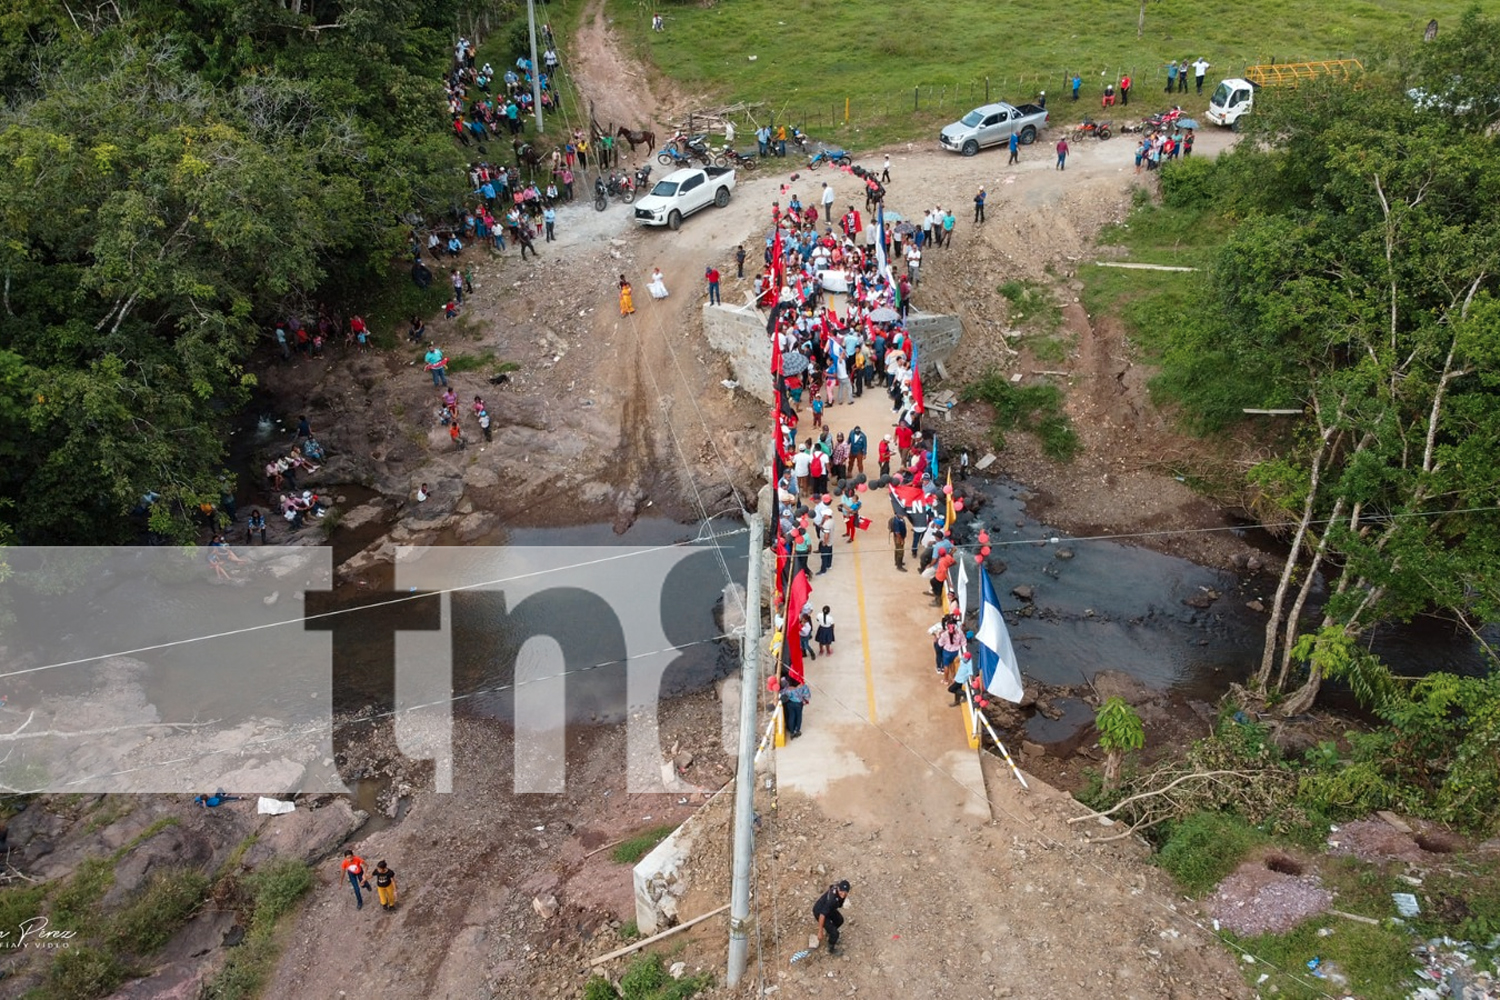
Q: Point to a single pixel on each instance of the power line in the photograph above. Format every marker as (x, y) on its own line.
(365, 720)
(402, 599)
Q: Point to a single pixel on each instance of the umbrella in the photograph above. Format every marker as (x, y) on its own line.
(885, 314)
(906, 229)
(894, 217)
(1186, 123)
(793, 363)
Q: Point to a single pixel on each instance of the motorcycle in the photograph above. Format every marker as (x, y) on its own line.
(698, 146)
(643, 177)
(683, 149)
(835, 156)
(1129, 128)
(800, 138)
(670, 155)
(733, 157)
(1099, 130)
(615, 186)
(1164, 119)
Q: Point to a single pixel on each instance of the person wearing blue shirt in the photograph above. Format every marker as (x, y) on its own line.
(1015, 148)
(1077, 83)
(859, 447)
(549, 219)
(961, 677)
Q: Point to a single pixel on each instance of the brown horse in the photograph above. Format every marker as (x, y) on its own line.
(527, 154)
(642, 138)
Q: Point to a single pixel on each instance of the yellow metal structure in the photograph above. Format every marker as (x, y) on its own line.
(1276, 74)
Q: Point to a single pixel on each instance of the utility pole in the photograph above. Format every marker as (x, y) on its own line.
(536, 70)
(744, 782)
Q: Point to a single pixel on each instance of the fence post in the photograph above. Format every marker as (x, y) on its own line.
(916, 98)
(986, 90)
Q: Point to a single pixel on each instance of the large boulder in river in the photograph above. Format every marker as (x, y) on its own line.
(1118, 684)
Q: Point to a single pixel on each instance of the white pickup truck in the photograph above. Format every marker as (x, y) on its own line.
(683, 192)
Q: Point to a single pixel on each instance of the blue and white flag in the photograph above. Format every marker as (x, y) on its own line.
(883, 267)
(963, 589)
(997, 658)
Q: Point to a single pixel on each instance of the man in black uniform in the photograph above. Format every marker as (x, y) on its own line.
(897, 528)
(826, 910)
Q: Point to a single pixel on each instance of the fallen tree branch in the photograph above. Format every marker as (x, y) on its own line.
(1155, 792)
(16, 734)
(656, 937)
(1355, 916)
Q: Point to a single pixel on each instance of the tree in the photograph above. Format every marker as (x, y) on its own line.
(173, 177)
(1120, 729)
(1361, 284)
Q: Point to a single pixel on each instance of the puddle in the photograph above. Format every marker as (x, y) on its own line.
(365, 794)
(1076, 716)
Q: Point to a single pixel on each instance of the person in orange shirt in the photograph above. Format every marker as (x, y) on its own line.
(354, 867)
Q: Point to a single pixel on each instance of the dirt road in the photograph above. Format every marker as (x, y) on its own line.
(956, 896)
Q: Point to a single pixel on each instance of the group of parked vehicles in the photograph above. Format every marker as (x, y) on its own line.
(706, 176)
(994, 124)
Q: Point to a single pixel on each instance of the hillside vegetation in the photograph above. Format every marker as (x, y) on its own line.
(173, 177)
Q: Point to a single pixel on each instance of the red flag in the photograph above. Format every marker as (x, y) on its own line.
(781, 560)
(916, 378)
(801, 590)
(778, 266)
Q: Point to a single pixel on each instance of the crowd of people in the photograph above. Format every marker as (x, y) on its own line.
(837, 308)
(1161, 146)
(481, 105)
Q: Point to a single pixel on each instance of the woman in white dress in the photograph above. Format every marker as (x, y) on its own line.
(658, 287)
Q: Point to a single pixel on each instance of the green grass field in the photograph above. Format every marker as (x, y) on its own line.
(811, 56)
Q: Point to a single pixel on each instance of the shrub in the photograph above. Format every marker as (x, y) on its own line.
(247, 970)
(630, 851)
(646, 979)
(276, 886)
(165, 904)
(1189, 183)
(1205, 847)
(599, 988)
(1035, 408)
(84, 973)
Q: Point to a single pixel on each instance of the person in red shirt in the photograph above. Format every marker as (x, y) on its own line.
(903, 442)
(354, 867)
(884, 455)
(711, 275)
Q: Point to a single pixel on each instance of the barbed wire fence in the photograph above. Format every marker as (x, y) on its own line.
(1148, 91)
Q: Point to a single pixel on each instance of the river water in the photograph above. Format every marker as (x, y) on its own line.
(1121, 607)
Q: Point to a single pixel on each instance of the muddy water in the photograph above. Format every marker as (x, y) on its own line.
(491, 635)
(1121, 607)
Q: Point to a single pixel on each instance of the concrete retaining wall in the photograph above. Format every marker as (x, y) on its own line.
(661, 876)
(739, 332)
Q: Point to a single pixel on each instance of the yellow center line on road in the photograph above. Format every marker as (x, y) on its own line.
(864, 629)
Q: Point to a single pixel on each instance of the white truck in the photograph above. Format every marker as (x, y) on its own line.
(683, 192)
(1234, 98)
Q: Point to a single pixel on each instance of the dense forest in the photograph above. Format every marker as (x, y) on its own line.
(174, 176)
(1358, 285)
